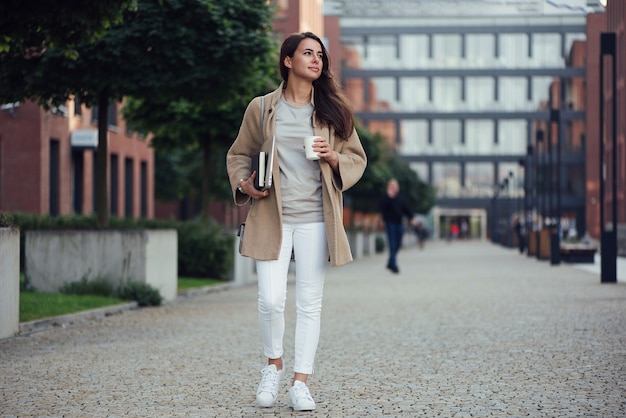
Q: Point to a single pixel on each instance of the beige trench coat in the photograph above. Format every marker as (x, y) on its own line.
(263, 235)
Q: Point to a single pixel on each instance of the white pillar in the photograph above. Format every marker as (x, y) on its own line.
(9, 282)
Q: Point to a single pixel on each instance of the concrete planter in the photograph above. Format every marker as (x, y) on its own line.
(370, 243)
(357, 243)
(621, 240)
(146, 256)
(9, 282)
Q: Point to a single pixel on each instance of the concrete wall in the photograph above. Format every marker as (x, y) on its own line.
(147, 256)
(621, 240)
(9, 282)
(162, 262)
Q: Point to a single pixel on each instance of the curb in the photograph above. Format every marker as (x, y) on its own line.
(198, 291)
(64, 321)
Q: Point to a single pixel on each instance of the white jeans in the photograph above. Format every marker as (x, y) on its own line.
(311, 253)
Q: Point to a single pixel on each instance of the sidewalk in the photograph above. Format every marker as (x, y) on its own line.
(595, 267)
(466, 329)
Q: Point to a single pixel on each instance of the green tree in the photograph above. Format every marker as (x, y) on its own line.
(29, 27)
(203, 127)
(163, 51)
(382, 165)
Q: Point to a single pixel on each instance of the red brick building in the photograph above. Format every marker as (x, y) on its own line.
(47, 162)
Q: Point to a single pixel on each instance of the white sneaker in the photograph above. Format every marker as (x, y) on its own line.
(300, 398)
(268, 388)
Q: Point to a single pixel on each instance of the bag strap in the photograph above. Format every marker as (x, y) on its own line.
(262, 111)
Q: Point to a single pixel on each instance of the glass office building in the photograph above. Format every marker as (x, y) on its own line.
(461, 88)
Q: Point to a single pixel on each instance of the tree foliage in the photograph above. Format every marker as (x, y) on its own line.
(204, 124)
(29, 27)
(190, 54)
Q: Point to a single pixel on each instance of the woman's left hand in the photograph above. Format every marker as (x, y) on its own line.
(325, 152)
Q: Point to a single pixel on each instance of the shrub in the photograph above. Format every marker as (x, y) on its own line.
(5, 220)
(379, 244)
(205, 250)
(142, 293)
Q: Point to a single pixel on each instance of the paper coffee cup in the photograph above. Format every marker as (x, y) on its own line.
(308, 148)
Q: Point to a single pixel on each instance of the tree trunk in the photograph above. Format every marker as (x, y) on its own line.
(206, 178)
(102, 196)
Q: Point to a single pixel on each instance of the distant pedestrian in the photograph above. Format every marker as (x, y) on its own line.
(420, 233)
(520, 234)
(454, 231)
(464, 229)
(394, 209)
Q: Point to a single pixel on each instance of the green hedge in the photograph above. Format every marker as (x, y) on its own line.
(205, 248)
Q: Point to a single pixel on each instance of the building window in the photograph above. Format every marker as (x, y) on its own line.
(478, 180)
(414, 94)
(480, 93)
(512, 137)
(514, 50)
(144, 189)
(447, 50)
(540, 89)
(94, 181)
(447, 179)
(381, 52)
(385, 88)
(513, 93)
(447, 93)
(128, 187)
(78, 111)
(416, 51)
(114, 184)
(414, 134)
(480, 50)
(54, 177)
(77, 180)
(546, 50)
(111, 115)
(479, 138)
(447, 137)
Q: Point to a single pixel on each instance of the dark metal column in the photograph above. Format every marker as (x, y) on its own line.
(608, 239)
(555, 228)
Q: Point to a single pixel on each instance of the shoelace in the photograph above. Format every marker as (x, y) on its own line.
(268, 381)
(301, 391)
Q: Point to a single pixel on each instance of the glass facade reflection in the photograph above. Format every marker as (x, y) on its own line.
(465, 92)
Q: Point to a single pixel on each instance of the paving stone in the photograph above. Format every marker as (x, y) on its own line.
(466, 329)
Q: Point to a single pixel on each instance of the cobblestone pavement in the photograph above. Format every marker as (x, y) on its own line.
(466, 329)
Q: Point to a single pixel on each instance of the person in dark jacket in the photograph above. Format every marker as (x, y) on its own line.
(394, 208)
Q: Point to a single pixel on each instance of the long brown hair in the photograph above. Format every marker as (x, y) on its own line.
(331, 106)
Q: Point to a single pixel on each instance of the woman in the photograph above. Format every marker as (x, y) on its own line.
(302, 211)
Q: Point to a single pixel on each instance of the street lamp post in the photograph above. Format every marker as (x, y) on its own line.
(608, 239)
(540, 191)
(555, 237)
(530, 200)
